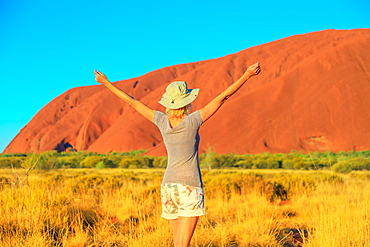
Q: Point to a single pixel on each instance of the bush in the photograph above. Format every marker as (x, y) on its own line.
(47, 160)
(159, 162)
(343, 166)
(224, 160)
(9, 162)
(70, 161)
(90, 161)
(354, 164)
(259, 163)
(309, 164)
(208, 159)
(273, 163)
(288, 164)
(341, 162)
(326, 162)
(359, 164)
(136, 162)
(100, 165)
(245, 164)
(113, 161)
(109, 164)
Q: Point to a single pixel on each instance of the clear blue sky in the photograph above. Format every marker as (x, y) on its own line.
(50, 46)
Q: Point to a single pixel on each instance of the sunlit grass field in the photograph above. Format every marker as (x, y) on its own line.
(121, 207)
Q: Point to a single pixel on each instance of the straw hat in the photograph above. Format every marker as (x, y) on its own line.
(178, 95)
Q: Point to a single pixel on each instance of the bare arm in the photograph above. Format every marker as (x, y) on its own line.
(210, 109)
(144, 110)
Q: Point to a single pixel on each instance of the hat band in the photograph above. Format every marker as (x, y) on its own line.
(181, 97)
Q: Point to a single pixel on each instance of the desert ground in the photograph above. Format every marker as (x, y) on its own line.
(121, 207)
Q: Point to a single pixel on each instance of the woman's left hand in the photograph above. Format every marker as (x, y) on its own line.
(100, 77)
(254, 69)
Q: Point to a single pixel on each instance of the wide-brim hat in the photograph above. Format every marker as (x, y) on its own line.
(178, 95)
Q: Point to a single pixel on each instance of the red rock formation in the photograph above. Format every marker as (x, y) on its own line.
(312, 95)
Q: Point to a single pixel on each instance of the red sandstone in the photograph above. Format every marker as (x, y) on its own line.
(312, 95)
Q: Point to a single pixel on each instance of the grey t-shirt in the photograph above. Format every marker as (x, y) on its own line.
(182, 144)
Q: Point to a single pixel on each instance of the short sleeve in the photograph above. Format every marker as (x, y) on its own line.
(158, 118)
(195, 119)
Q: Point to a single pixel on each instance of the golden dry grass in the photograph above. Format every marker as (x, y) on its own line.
(113, 207)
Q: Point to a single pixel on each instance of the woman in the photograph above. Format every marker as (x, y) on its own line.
(182, 187)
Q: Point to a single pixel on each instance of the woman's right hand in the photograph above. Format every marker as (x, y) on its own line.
(100, 77)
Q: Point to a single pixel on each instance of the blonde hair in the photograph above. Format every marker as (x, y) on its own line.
(179, 113)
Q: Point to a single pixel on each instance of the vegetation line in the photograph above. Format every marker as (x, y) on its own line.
(342, 162)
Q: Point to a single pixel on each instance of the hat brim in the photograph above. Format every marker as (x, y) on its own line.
(179, 103)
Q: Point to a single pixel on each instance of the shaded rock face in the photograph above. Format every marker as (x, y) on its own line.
(313, 95)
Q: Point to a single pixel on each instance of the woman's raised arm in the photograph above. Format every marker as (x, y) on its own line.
(144, 110)
(210, 109)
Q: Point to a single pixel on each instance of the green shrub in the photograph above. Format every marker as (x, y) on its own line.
(70, 161)
(112, 161)
(245, 164)
(208, 159)
(326, 162)
(225, 160)
(159, 162)
(359, 164)
(100, 165)
(343, 166)
(107, 163)
(354, 164)
(309, 164)
(341, 162)
(9, 162)
(136, 162)
(46, 160)
(288, 164)
(259, 163)
(90, 161)
(273, 163)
